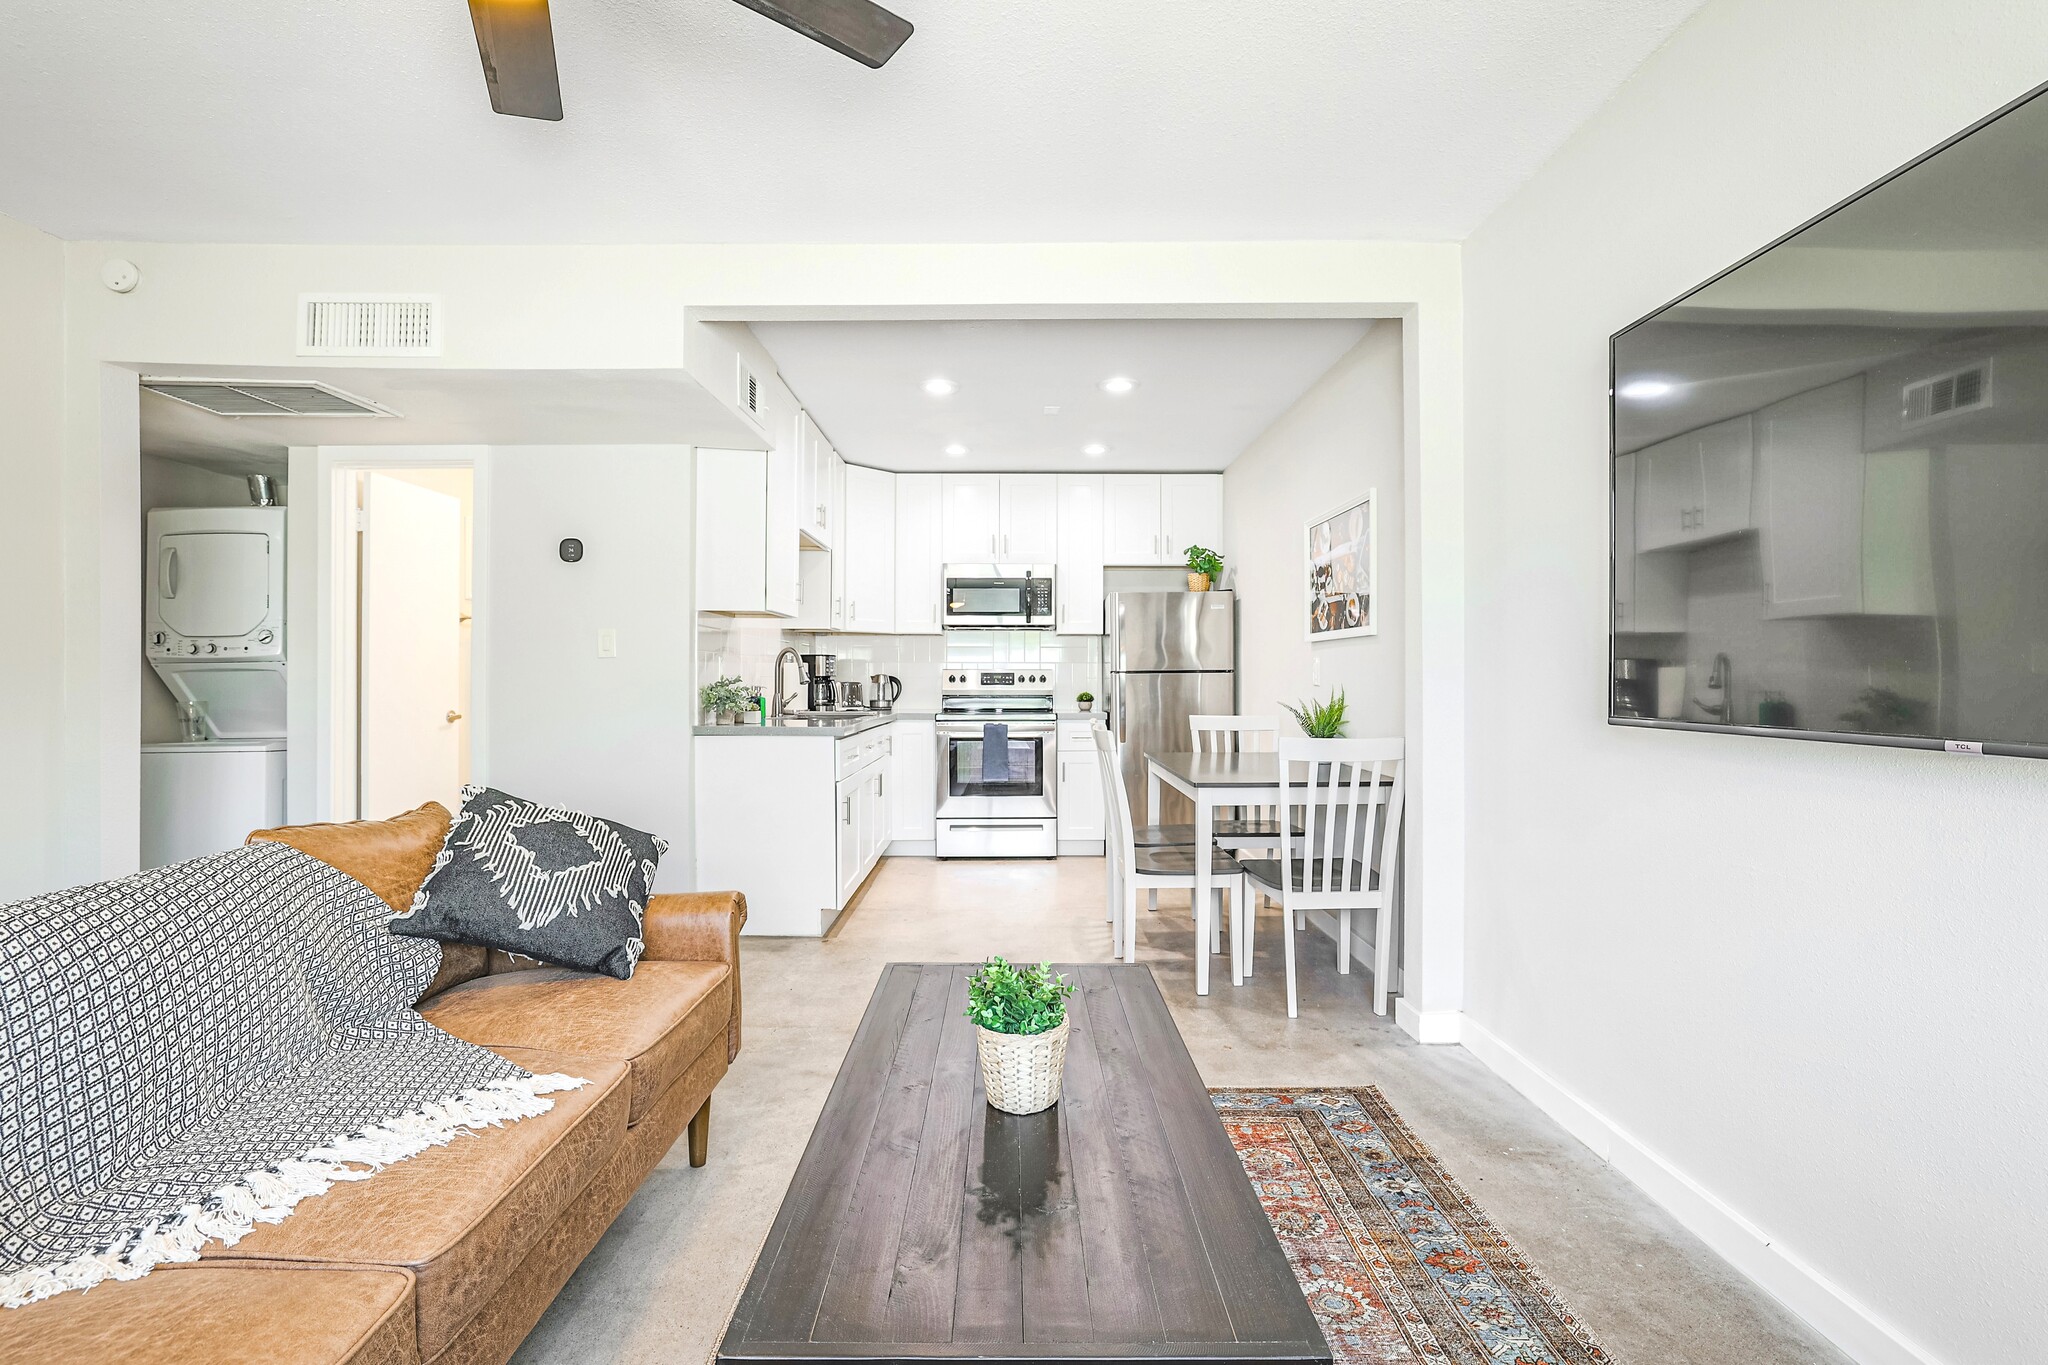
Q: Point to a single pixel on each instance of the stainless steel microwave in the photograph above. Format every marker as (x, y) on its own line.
(999, 597)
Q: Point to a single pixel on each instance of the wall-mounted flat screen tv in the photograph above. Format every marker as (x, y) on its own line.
(1830, 470)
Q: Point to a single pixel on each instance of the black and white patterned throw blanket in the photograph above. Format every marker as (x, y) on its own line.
(191, 1051)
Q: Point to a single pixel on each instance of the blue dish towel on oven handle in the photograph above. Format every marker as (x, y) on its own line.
(995, 752)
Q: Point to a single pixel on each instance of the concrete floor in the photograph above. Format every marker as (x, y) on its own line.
(660, 1285)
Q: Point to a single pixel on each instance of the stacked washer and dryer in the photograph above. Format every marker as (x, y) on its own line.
(215, 633)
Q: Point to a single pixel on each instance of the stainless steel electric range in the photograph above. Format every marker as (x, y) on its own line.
(998, 802)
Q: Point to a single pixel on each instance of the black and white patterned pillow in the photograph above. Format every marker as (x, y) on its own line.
(557, 885)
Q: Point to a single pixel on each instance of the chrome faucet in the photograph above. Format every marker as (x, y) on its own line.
(778, 704)
(1721, 680)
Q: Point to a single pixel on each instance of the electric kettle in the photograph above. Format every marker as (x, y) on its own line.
(884, 689)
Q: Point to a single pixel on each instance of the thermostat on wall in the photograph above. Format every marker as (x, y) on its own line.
(571, 550)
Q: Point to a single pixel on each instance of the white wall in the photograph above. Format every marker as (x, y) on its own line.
(1340, 440)
(559, 724)
(31, 610)
(1796, 989)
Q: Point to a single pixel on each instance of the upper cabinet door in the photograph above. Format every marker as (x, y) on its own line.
(1130, 519)
(1190, 513)
(1727, 477)
(869, 547)
(814, 483)
(780, 547)
(1077, 579)
(1810, 449)
(972, 518)
(920, 561)
(1696, 487)
(1030, 519)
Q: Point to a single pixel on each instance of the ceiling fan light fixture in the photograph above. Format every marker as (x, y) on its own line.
(517, 45)
(858, 29)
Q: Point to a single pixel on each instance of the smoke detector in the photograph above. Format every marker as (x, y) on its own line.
(264, 397)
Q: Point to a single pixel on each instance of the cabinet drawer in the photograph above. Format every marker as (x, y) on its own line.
(861, 750)
(1077, 735)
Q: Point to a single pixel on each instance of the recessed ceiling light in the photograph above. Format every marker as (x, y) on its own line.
(1118, 384)
(1643, 390)
(1052, 410)
(956, 449)
(939, 387)
(1095, 448)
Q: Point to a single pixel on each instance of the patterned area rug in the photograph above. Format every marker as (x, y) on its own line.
(1397, 1262)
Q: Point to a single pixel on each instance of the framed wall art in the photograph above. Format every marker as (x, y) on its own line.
(1343, 550)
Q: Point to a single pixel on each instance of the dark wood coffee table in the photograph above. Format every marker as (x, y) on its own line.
(922, 1224)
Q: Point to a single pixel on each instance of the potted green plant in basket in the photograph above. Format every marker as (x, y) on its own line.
(1020, 1025)
(725, 699)
(1086, 700)
(1204, 568)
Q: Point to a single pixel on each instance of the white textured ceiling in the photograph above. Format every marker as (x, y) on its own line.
(698, 120)
(1205, 388)
(443, 407)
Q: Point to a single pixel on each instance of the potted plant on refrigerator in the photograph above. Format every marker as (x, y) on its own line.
(1204, 568)
(1020, 1025)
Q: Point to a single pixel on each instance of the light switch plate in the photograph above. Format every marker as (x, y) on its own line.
(1315, 671)
(608, 644)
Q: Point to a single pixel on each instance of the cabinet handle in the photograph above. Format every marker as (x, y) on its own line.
(935, 613)
(847, 807)
(1006, 544)
(991, 544)
(853, 609)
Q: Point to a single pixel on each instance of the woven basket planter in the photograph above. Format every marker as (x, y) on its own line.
(1021, 1071)
(1198, 582)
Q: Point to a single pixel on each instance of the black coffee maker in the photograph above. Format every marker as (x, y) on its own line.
(821, 691)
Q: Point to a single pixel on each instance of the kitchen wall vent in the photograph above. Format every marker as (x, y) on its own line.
(369, 324)
(750, 394)
(265, 397)
(1947, 395)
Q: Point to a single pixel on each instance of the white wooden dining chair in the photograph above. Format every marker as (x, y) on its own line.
(1156, 867)
(1348, 793)
(1239, 827)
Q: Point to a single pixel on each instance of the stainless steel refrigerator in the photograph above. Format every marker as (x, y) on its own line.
(1171, 655)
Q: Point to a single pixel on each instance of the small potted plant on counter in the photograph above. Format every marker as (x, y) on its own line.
(1204, 568)
(1020, 1025)
(1085, 700)
(725, 700)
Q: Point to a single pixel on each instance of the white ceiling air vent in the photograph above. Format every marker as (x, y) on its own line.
(369, 324)
(1947, 395)
(265, 397)
(750, 394)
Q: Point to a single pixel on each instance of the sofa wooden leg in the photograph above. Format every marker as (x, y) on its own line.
(700, 1134)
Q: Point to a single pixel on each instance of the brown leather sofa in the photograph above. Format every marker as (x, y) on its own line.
(450, 1257)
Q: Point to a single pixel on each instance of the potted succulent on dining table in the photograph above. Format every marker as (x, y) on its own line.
(1204, 568)
(1020, 1025)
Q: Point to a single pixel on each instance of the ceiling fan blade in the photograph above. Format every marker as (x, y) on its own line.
(858, 29)
(518, 49)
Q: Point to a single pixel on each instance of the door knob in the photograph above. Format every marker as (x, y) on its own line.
(454, 716)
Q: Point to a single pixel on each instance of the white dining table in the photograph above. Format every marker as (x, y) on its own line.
(1210, 781)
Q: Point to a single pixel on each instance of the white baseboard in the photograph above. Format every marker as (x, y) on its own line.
(1850, 1324)
(1428, 1026)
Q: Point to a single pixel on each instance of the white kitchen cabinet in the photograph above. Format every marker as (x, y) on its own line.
(835, 476)
(1649, 589)
(814, 457)
(1030, 511)
(746, 541)
(972, 518)
(868, 545)
(784, 570)
(1844, 533)
(847, 866)
(1696, 487)
(1190, 513)
(920, 560)
(1082, 818)
(1078, 576)
(913, 781)
(1130, 519)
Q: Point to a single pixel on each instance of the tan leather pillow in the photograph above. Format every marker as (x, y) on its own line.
(391, 857)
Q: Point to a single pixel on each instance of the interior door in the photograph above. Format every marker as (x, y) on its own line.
(410, 687)
(213, 583)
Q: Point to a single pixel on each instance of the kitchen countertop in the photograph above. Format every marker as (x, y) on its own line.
(838, 726)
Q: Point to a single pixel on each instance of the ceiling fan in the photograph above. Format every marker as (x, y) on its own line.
(518, 46)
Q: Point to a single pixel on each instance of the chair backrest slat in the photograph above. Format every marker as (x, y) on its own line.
(1234, 734)
(1349, 792)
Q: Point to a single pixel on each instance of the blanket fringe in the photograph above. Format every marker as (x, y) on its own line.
(268, 1196)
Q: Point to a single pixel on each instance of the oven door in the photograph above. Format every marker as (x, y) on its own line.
(1030, 789)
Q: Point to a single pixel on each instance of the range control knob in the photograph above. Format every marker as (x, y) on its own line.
(192, 647)
(213, 649)
(264, 637)
(157, 638)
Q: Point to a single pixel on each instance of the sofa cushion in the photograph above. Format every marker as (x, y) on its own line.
(554, 884)
(658, 1020)
(391, 857)
(461, 1217)
(223, 1314)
